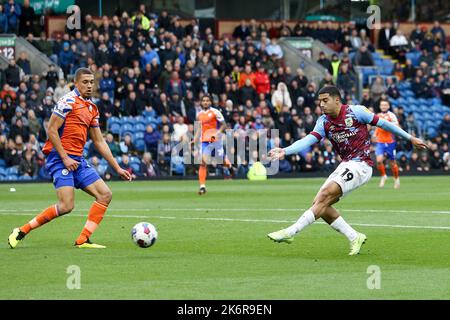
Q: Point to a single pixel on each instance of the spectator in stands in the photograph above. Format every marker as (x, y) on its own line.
(417, 34)
(301, 79)
(125, 164)
(377, 89)
(248, 92)
(346, 80)
(445, 90)
(363, 57)
(28, 166)
(308, 163)
(127, 146)
(113, 146)
(164, 153)
(262, 81)
(85, 50)
(3, 20)
(325, 62)
(95, 163)
(247, 74)
(444, 127)
(180, 130)
(148, 168)
(409, 70)
(335, 63)
(51, 76)
(24, 63)
(13, 153)
(392, 89)
(438, 32)
(432, 88)
(33, 123)
(274, 49)
(385, 36)
(151, 138)
(66, 59)
(27, 17)
(242, 31)
(13, 74)
(397, 71)
(13, 11)
(367, 101)
(281, 98)
(399, 45)
(355, 40)
(424, 163)
(61, 89)
(133, 106)
(107, 85)
(19, 129)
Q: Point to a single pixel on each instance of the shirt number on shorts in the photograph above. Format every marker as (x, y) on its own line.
(347, 174)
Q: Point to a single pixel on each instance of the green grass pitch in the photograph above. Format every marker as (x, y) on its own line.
(215, 246)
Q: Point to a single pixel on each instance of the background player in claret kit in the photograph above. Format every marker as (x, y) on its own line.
(74, 115)
(346, 127)
(212, 126)
(386, 145)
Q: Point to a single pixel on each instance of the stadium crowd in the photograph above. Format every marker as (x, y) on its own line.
(149, 66)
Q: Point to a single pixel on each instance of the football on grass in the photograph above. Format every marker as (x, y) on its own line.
(144, 234)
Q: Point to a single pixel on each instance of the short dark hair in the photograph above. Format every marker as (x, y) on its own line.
(206, 95)
(82, 71)
(333, 91)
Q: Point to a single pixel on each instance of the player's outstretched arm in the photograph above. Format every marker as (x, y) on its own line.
(102, 147)
(296, 147)
(388, 126)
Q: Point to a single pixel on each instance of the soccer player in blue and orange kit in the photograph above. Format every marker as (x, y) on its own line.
(73, 117)
(386, 146)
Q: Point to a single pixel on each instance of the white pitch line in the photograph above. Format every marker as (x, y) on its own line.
(241, 220)
(244, 210)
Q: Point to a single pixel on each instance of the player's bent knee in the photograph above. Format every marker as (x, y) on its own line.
(65, 207)
(105, 197)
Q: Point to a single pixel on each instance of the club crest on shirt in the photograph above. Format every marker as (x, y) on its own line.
(65, 172)
(348, 122)
(90, 108)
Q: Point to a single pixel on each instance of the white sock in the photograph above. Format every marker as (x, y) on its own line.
(305, 220)
(343, 227)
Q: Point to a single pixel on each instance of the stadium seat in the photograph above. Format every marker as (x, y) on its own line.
(126, 129)
(134, 159)
(111, 121)
(139, 127)
(147, 114)
(2, 171)
(12, 177)
(25, 178)
(432, 133)
(12, 171)
(177, 166)
(138, 119)
(136, 167)
(2, 163)
(138, 135)
(115, 128)
(43, 174)
(140, 144)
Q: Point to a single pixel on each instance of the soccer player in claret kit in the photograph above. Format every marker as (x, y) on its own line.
(346, 127)
(212, 126)
(386, 145)
(73, 116)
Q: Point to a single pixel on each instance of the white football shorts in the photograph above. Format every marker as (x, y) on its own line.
(350, 175)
